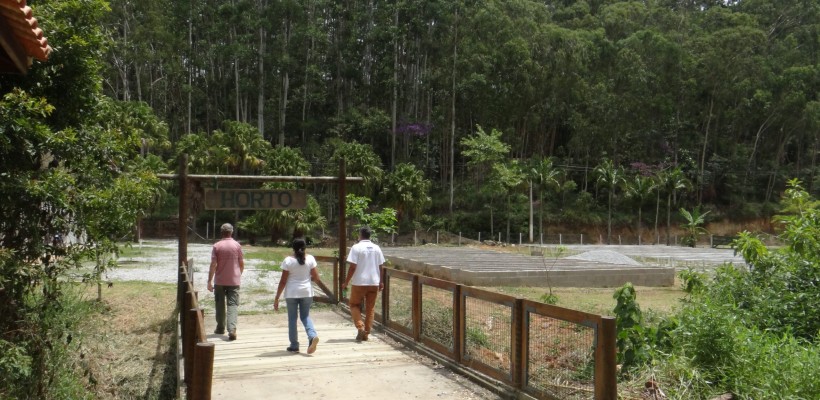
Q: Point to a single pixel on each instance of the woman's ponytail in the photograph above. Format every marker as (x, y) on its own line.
(299, 250)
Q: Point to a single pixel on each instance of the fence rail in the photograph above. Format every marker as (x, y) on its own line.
(546, 351)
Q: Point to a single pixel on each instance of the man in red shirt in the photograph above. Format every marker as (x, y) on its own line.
(227, 265)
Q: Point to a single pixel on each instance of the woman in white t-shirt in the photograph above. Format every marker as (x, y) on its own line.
(297, 272)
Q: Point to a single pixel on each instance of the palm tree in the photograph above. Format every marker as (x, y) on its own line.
(246, 147)
(672, 181)
(306, 220)
(693, 226)
(640, 188)
(610, 176)
(545, 173)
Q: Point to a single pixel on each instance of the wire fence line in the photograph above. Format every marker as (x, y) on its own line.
(421, 238)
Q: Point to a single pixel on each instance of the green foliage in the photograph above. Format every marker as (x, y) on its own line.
(360, 160)
(72, 164)
(286, 161)
(637, 342)
(383, 221)
(476, 337)
(693, 227)
(549, 298)
(236, 149)
(740, 330)
(484, 149)
(692, 281)
(407, 191)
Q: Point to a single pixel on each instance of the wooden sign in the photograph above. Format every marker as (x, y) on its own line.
(255, 199)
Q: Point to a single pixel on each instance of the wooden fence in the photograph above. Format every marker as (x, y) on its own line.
(197, 352)
(546, 351)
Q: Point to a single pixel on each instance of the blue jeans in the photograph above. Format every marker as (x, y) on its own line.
(302, 306)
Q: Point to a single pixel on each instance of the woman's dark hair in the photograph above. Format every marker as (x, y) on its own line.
(298, 246)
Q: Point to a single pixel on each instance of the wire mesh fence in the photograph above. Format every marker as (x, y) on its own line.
(547, 351)
(488, 333)
(561, 357)
(437, 316)
(401, 302)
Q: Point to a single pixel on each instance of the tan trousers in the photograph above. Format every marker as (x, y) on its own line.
(369, 295)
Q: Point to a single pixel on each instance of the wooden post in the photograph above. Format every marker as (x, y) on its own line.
(415, 310)
(188, 344)
(337, 289)
(518, 362)
(342, 229)
(458, 324)
(385, 298)
(182, 229)
(606, 385)
(200, 388)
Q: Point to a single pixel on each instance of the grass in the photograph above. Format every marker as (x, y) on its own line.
(277, 254)
(660, 300)
(129, 344)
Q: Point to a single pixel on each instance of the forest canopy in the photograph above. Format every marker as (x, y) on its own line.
(725, 90)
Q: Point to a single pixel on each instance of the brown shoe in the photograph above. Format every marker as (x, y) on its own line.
(232, 335)
(313, 343)
(365, 336)
(361, 335)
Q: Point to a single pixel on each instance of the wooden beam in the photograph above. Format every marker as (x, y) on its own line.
(263, 178)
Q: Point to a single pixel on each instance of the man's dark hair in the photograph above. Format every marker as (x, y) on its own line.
(364, 232)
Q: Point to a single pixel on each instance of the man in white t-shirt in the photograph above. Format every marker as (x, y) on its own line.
(366, 261)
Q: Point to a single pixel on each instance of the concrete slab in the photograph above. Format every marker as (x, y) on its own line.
(482, 267)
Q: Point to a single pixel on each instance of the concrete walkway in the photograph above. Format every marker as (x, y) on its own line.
(257, 366)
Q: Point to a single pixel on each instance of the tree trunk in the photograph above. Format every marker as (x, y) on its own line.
(307, 73)
(657, 215)
(395, 101)
(750, 164)
(609, 217)
(190, 67)
(703, 152)
(453, 113)
(260, 99)
(668, 216)
(531, 215)
(640, 206)
(283, 105)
